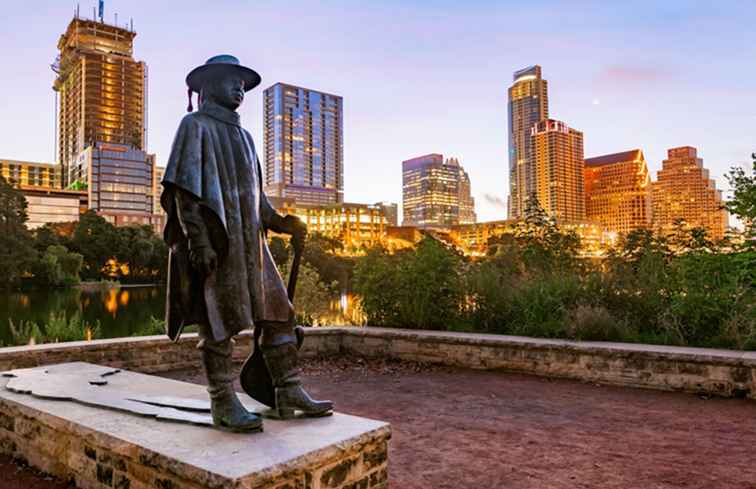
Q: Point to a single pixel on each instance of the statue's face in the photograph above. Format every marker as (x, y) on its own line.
(228, 92)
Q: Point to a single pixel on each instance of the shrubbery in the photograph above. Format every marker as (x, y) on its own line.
(533, 283)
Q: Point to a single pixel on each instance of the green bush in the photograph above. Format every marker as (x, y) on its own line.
(60, 328)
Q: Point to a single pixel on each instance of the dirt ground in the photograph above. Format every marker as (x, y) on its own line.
(456, 428)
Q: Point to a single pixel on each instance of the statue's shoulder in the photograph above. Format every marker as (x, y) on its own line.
(193, 121)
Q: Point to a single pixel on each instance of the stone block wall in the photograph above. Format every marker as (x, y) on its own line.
(698, 370)
(94, 460)
(147, 354)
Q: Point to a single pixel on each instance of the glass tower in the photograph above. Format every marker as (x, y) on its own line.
(435, 193)
(528, 104)
(304, 149)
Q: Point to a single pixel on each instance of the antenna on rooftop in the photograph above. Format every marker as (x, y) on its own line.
(101, 10)
(131, 24)
(116, 19)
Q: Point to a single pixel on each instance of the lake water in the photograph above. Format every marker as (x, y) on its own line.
(121, 311)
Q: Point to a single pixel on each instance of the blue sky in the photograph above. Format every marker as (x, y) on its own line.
(428, 76)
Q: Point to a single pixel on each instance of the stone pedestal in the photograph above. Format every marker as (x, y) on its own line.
(112, 448)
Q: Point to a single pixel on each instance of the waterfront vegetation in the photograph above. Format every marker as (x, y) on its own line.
(58, 255)
(679, 289)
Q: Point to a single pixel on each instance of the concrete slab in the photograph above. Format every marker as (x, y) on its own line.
(63, 434)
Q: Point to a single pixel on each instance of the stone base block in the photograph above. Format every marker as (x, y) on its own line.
(106, 448)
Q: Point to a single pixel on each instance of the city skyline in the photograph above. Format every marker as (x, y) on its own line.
(654, 93)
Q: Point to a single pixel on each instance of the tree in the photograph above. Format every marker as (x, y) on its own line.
(97, 241)
(743, 202)
(57, 266)
(279, 250)
(313, 298)
(16, 247)
(420, 288)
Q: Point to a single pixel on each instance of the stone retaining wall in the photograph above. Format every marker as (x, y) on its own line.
(699, 370)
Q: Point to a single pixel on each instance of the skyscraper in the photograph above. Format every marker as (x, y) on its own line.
(684, 191)
(558, 163)
(618, 191)
(435, 192)
(304, 151)
(101, 89)
(466, 200)
(528, 104)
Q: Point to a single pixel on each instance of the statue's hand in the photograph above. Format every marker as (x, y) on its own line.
(297, 229)
(203, 259)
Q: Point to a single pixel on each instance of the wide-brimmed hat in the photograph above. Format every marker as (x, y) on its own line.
(218, 66)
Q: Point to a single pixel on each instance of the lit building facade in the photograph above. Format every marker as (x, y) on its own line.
(28, 173)
(466, 200)
(120, 182)
(53, 206)
(528, 104)
(558, 156)
(391, 210)
(355, 225)
(45, 200)
(434, 192)
(101, 90)
(684, 191)
(618, 191)
(304, 149)
(472, 239)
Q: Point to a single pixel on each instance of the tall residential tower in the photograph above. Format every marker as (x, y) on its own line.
(528, 104)
(101, 89)
(558, 163)
(304, 145)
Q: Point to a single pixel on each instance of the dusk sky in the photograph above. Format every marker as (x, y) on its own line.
(427, 76)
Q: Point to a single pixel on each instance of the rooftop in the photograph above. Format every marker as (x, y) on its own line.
(609, 159)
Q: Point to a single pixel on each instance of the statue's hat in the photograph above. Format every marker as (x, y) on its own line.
(220, 65)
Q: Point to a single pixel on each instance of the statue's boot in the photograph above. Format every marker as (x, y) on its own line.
(227, 410)
(282, 363)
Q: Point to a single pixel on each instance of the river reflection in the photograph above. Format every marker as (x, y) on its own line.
(125, 311)
(121, 311)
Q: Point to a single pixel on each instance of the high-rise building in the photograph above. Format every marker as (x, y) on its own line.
(558, 158)
(528, 104)
(684, 192)
(435, 193)
(304, 148)
(101, 90)
(391, 211)
(120, 182)
(466, 200)
(618, 191)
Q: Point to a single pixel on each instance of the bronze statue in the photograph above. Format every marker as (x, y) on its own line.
(221, 273)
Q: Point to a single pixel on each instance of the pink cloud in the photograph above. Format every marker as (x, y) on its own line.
(633, 73)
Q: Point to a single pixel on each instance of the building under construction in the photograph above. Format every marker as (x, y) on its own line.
(101, 88)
